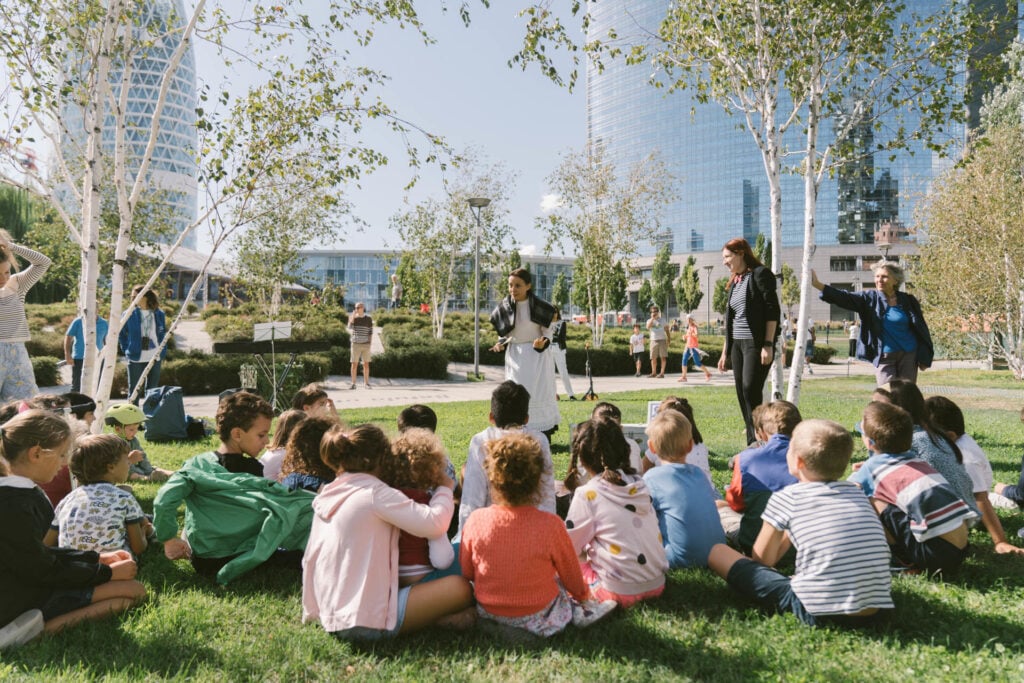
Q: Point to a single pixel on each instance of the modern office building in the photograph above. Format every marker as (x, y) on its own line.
(172, 171)
(722, 189)
(366, 276)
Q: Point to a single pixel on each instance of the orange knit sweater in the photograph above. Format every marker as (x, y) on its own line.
(513, 555)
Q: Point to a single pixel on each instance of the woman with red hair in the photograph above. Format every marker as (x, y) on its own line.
(751, 326)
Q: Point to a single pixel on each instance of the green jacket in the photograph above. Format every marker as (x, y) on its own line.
(232, 514)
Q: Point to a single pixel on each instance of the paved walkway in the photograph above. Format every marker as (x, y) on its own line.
(191, 334)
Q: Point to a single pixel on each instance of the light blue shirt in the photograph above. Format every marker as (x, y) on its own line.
(687, 516)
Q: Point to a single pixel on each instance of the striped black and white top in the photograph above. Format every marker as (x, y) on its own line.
(13, 324)
(738, 304)
(842, 558)
(361, 329)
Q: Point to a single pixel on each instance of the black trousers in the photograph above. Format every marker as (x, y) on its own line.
(749, 376)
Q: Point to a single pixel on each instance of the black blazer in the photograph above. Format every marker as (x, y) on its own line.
(762, 307)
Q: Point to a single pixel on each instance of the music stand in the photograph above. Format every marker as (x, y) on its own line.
(271, 332)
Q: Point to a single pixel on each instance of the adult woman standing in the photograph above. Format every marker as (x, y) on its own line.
(140, 338)
(523, 321)
(17, 379)
(751, 326)
(894, 336)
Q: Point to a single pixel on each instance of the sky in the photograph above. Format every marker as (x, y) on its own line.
(462, 89)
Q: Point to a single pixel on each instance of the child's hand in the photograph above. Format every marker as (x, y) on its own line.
(177, 549)
(114, 556)
(123, 570)
(447, 481)
(1005, 548)
(147, 527)
(856, 466)
(135, 457)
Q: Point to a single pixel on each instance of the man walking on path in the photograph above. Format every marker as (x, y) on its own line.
(360, 329)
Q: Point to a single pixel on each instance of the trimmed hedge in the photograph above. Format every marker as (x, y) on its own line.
(45, 370)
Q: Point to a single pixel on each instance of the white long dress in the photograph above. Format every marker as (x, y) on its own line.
(535, 371)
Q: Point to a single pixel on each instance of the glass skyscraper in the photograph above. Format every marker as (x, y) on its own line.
(722, 189)
(172, 170)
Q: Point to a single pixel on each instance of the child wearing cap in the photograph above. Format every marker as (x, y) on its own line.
(127, 420)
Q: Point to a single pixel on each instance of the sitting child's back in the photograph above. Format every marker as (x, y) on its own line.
(686, 510)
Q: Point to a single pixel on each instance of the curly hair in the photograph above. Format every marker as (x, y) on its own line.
(514, 464)
(422, 457)
(302, 452)
(94, 455)
(601, 447)
(240, 409)
(363, 449)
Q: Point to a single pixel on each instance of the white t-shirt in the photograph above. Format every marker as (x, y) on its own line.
(976, 463)
(636, 343)
(148, 325)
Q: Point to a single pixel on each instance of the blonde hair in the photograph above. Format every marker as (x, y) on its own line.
(670, 435)
(894, 270)
(6, 255)
(32, 428)
(825, 447)
(422, 457)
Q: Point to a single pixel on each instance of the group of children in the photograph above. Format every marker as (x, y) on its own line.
(368, 519)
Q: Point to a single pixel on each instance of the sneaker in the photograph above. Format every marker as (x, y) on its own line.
(998, 500)
(23, 629)
(572, 398)
(590, 612)
(368, 386)
(638, 374)
(353, 385)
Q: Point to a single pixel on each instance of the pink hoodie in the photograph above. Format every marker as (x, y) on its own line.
(350, 569)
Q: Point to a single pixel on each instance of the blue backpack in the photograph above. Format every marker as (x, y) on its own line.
(165, 415)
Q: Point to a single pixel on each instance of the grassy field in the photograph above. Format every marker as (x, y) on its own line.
(967, 628)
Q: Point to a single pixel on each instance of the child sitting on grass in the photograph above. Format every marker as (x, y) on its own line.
(510, 413)
(842, 562)
(759, 471)
(698, 456)
(350, 568)
(313, 400)
(127, 420)
(948, 417)
(1014, 493)
(235, 519)
(925, 521)
(272, 459)
(611, 520)
(65, 585)
(687, 516)
(417, 469)
(302, 467)
(98, 515)
(520, 559)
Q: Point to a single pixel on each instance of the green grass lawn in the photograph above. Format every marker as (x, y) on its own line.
(967, 628)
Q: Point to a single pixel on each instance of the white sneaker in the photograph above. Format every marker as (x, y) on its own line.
(23, 629)
(998, 500)
(590, 612)
(353, 385)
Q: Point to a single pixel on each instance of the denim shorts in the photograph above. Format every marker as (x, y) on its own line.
(66, 600)
(369, 634)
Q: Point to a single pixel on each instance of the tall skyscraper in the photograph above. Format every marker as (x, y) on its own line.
(722, 188)
(172, 171)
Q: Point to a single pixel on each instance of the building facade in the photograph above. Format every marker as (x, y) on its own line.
(172, 170)
(722, 188)
(366, 276)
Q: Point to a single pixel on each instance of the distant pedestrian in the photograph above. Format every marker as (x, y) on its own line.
(360, 328)
(636, 348)
(17, 379)
(660, 339)
(396, 293)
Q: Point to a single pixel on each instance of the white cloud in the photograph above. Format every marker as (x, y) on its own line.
(528, 250)
(550, 202)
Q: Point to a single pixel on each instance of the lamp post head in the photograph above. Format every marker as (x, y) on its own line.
(478, 202)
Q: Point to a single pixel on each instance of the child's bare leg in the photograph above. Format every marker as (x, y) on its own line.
(108, 599)
(722, 558)
(433, 600)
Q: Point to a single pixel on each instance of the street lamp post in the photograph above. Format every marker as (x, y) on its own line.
(708, 269)
(476, 205)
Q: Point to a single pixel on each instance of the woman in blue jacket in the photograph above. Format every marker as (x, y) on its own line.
(141, 337)
(894, 336)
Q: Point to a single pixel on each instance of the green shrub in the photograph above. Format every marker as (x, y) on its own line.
(200, 373)
(46, 343)
(421, 362)
(45, 370)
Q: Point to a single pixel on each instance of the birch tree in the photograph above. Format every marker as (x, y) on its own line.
(438, 234)
(604, 217)
(297, 131)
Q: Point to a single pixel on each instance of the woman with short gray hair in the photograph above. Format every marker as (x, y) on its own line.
(894, 336)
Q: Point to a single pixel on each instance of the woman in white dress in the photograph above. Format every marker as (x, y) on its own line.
(523, 322)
